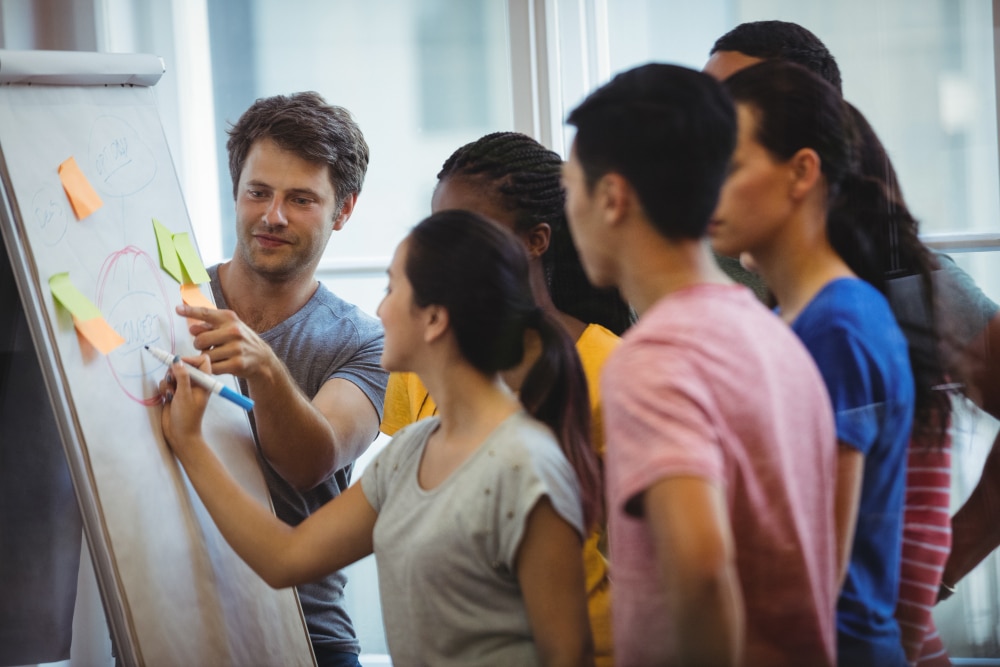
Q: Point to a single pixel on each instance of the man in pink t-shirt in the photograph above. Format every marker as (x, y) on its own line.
(720, 441)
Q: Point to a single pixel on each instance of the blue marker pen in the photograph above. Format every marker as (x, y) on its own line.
(204, 380)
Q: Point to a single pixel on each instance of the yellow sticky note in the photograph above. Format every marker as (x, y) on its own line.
(190, 260)
(168, 253)
(82, 195)
(193, 296)
(86, 317)
(72, 299)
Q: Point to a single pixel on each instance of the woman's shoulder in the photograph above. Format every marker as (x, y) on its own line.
(527, 441)
(850, 303)
(408, 440)
(595, 345)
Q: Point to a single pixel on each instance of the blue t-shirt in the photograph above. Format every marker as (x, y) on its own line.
(851, 333)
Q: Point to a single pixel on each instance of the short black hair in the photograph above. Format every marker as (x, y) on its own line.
(670, 131)
(782, 40)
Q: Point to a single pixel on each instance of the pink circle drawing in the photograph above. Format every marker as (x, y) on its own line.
(133, 296)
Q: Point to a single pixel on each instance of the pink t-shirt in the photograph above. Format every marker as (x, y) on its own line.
(711, 384)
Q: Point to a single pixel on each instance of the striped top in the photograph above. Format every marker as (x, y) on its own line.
(926, 544)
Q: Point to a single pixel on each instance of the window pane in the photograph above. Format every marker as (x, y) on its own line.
(421, 79)
(922, 72)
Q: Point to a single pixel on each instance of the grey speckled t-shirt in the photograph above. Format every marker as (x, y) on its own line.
(445, 556)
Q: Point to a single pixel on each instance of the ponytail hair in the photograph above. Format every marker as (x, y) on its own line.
(478, 271)
(555, 392)
(871, 228)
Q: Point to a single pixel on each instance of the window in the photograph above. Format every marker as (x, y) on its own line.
(420, 78)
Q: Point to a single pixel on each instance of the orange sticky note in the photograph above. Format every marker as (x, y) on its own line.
(99, 333)
(82, 195)
(193, 296)
(86, 317)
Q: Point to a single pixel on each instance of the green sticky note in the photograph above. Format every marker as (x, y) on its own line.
(168, 253)
(190, 261)
(72, 299)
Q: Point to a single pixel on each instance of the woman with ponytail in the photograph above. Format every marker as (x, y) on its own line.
(901, 267)
(796, 202)
(514, 180)
(466, 511)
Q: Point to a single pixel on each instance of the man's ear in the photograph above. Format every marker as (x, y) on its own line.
(806, 172)
(436, 323)
(345, 211)
(537, 239)
(615, 196)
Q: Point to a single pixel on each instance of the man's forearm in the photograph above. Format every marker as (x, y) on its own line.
(975, 528)
(710, 621)
(294, 436)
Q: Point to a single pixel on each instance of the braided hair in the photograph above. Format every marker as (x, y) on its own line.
(523, 177)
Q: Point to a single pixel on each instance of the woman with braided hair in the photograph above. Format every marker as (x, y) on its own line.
(512, 179)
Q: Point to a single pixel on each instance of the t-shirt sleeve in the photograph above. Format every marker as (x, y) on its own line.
(963, 306)
(661, 422)
(375, 478)
(851, 376)
(536, 472)
(365, 370)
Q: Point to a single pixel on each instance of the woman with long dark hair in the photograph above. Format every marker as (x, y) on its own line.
(514, 180)
(466, 511)
(798, 203)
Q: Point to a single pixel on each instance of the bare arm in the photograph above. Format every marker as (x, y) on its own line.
(550, 571)
(847, 499)
(305, 441)
(330, 539)
(694, 546)
(982, 358)
(976, 527)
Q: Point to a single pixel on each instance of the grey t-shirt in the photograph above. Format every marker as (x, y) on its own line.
(965, 309)
(446, 556)
(327, 338)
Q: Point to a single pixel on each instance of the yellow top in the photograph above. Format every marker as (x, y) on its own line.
(407, 401)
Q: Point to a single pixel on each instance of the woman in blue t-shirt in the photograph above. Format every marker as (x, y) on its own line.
(797, 204)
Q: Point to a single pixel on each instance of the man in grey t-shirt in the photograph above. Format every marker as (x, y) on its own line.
(308, 359)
